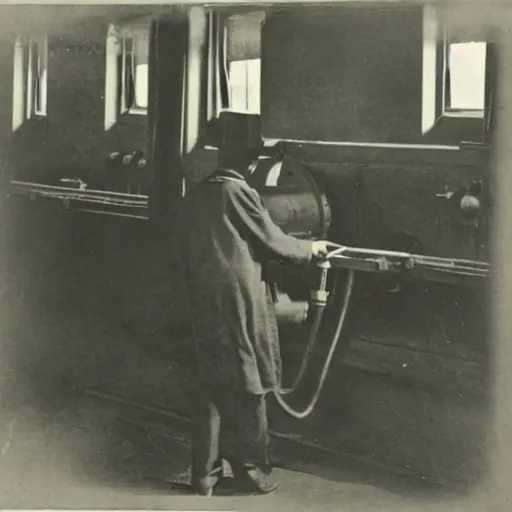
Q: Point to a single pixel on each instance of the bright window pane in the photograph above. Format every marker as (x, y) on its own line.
(141, 85)
(467, 75)
(238, 85)
(140, 49)
(244, 85)
(253, 85)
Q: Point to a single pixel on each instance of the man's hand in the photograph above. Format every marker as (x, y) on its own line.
(320, 248)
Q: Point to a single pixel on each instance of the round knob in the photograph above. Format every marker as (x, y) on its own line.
(470, 206)
(127, 159)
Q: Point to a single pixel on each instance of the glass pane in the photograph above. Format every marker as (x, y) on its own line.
(244, 85)
(141, 68)
(467, 75)
(253, 84)
(42, 76)
(141, 85)
(238, 85)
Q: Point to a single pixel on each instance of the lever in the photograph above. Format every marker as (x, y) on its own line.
(446, 195)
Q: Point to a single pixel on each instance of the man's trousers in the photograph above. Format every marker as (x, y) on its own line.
(228, 425)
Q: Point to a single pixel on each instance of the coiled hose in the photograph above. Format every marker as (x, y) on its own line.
(320, 308)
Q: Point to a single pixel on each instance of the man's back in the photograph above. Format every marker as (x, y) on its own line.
(224, 240)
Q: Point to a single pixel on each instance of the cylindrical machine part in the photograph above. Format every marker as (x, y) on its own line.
(292, 196)
(290, 312)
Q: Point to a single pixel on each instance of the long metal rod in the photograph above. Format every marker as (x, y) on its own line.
(83, 197)
(86, 197)
(338, 258)
(27, 184)
(115, 214)
(342, 249)
(96, 200)
(383, 145)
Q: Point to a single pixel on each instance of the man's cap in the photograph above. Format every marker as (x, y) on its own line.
(240, 131)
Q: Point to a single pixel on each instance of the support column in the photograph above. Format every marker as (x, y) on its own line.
(168, 49)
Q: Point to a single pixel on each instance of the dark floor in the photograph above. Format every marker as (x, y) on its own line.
(61, 449)
(86, 455)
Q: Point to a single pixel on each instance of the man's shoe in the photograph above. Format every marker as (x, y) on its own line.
(202, 487)
(254, 480)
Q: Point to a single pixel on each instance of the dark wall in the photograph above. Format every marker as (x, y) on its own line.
(349, 73)
(71, 140)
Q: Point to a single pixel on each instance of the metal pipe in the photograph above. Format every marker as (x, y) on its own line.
(26, 184)
(111, 202)
(83, 197)
(115, 214)
(87, 198)
(383, 145)
(341, 249)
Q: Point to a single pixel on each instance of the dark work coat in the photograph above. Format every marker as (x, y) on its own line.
(224, 239)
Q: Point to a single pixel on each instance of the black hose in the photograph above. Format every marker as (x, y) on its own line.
(348, 292)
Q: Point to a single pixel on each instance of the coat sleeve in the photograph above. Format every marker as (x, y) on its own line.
(255, 217)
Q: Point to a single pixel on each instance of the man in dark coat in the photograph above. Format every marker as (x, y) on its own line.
(225, 239)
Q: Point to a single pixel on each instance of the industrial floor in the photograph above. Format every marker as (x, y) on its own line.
(84, 455)
(63, 449)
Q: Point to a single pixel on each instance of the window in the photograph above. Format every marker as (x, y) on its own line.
(465, 77)
(37, 77)
(244, 85)
(244, 61)
(126, 71)
(30, 83)
(134, 71)
(455, 74)
(233, 65)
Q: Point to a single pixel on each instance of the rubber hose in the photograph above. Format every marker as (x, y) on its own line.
(348, 291)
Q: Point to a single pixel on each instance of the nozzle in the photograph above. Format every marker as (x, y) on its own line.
(323, 264)
(319, 297)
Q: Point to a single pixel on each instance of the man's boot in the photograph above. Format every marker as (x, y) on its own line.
(253, 479)
(203, 485)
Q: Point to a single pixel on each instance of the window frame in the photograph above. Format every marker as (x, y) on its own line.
(115, 92)
(30, 79)
(218, 42)
(38, 92)
(466, 113)
(441, 125)
(130, 33)
(247, 87)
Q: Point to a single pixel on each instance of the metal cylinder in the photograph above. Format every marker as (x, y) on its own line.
(290, 312)
(292, 196)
